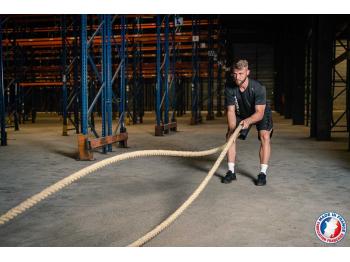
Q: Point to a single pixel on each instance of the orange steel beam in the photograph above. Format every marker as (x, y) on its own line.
(187, 23)
(57, 41)
(40, 84)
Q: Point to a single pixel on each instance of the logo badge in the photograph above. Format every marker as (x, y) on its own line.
(330, 227)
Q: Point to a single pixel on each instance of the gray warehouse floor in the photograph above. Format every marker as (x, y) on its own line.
(120, 203)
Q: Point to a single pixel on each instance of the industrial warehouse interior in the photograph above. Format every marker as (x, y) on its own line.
(115, 130)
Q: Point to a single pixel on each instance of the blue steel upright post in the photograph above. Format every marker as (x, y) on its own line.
(158, 131)
(137, 74)
(219, 60)
(64, 74)
(76, 86)
(104, 79)
(109, 76)
(141, 83)
(193, 113)
(210, 115)
(195, 71)
(166, 71)
(218, 92)
(15, 101)
(173, 70)
(84, 93)
(134, 76)
(122, 76)
(2, 95)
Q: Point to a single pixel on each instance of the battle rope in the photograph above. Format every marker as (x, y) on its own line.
(12, 213)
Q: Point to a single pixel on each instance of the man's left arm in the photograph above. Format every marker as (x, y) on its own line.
(254, 118)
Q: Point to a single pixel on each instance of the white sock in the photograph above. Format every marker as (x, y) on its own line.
(231, 166)
(263, 168)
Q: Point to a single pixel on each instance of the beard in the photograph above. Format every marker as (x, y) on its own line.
(240, 83)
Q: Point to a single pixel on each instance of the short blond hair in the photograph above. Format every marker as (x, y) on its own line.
(240, 64)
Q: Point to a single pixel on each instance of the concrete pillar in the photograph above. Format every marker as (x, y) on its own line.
(278, 70)
(288, 70)
(322, 51)
(298, 88)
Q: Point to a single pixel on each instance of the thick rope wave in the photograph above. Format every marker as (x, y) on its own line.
(35, 199)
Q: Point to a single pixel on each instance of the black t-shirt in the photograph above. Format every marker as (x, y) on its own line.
(244, 102)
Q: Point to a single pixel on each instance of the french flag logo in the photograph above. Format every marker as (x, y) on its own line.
(330, 227)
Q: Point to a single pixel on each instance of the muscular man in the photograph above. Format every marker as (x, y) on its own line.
(246, 105)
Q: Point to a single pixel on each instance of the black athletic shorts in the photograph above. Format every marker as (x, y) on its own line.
(264, 124)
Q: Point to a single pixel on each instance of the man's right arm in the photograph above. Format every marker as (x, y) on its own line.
(231, 113)
(231, 118)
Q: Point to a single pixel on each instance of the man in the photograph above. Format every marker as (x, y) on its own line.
(246, 105)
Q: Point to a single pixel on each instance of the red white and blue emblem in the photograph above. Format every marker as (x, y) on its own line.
(330, 227)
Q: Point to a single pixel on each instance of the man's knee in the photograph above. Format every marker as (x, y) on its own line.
(264, 136)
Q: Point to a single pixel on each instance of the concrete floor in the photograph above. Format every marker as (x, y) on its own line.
(120, 203)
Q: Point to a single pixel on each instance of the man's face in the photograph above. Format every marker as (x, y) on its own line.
(240, 75)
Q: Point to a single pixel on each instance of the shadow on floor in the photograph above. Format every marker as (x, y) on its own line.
(247, 174)
(70, 154)
(202, 163)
